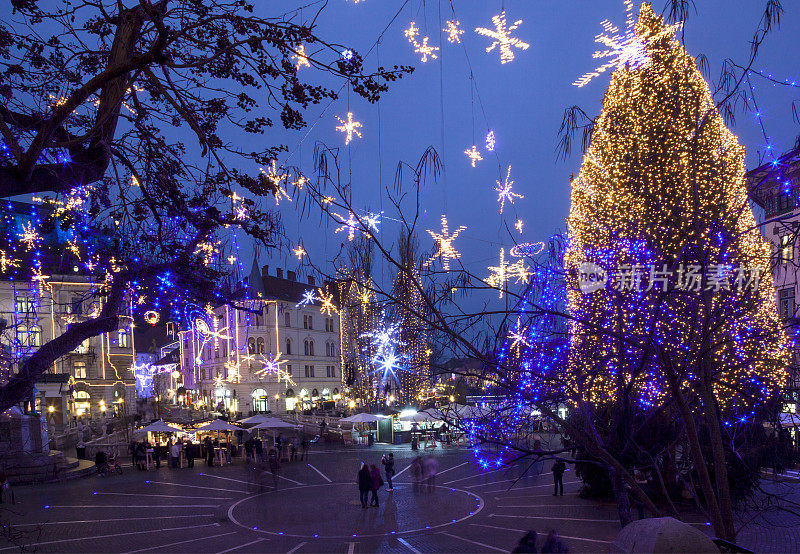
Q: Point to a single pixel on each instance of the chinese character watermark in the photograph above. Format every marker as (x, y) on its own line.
(686, 277)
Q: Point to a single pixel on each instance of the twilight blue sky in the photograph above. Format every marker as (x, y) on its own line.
(523, 102)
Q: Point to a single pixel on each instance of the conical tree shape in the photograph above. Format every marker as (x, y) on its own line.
(662, 188)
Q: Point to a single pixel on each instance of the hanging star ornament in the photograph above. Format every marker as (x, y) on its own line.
(626, 50)
(300, 57)
(349, 128)
(420, 47)
(503, 191)
(276, 178)
(444, 241)
(350, 225)
(309, 297)
(454, 32)
(326, 304)
(299, 251)
(505, 271)
(502, 37)
(474, 155)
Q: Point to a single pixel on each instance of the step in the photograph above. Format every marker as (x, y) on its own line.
(83, 468)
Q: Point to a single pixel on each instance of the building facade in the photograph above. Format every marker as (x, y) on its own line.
(281, 352)
(775, 187)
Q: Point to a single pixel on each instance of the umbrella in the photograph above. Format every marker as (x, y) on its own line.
(420, 417)
(274, 423)
(258, 418)
(159, 427)
(362, 418)
(218, 425)
(662, 534)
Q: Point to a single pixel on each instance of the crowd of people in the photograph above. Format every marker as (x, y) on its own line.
(423, 471)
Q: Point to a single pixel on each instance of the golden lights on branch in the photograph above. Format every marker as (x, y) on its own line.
(444, 241)
(349, 127)
(502, 37)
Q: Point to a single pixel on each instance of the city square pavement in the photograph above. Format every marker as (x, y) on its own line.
(316, 509)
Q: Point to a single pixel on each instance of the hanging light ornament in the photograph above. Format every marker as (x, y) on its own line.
(349, 128)
(504, 191)
(454, 32)
(502, 37)
(474, 155)
(444, 241)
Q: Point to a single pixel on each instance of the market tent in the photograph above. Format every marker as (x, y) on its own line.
(219, 425)
(258, 418)
(159, 427)
(274, 423)
(362, 418)
(420, 417)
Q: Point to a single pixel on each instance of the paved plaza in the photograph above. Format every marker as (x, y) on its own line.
(316, 509)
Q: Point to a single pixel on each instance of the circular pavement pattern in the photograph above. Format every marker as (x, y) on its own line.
(408, 511)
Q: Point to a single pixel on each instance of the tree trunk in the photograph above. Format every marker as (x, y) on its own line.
(621, 494)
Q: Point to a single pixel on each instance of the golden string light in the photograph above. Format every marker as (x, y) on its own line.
(444, 241)
(473, 154)
(502, 37)
(349, 128)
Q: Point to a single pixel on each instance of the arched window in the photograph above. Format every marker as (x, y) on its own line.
(22, 335)
(288, 346)
(251, 345)
(315, 393)
(260, 401)
(311, 348)
(260, 345)
(122, 337)
(82, 404)
(305, 348)
(287, 319)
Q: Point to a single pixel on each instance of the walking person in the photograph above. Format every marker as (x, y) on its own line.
(174, 455)
(274, 464)
(189, 449)
(559, 467)
(304, 449)
(209, 451)
(364, 484)
(294, 444)
(259, 450)
(376, 484)
(388, 465)
(248, 449)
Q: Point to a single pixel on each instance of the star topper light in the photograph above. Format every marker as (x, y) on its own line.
(444, 241)
(503, 191)
(627, 50)
(473, 154)
(349, 127)
(502, 37)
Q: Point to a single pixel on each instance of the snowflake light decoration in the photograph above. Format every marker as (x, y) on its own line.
(444, 241)
(300, 57)
(490, 141)
(519, 225)
(349, 128)
(386, 362)
(347, 54)
(474, 155)
(627, 50)
(326, 304)
(503, 191)
(309, 297)
(272, 366)
(454, 31)
(502, 37)
(420, 47)
(277, 179)
(371, 222)
(299, 252)
(517, 335)
(30, 236)
(6, 261)
(505, 271)
(350, 225)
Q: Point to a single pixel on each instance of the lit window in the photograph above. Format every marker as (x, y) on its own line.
(122, 338)
(79, 369)
(787, 249)
(786, 302)
(260, 345)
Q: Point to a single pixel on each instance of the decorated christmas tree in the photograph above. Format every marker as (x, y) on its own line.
(669, 283)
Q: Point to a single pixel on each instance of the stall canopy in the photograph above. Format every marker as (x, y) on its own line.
(274, 423)
(218, 425)
(420, 417)
(159, 427)
(258, 418)
(362, 418)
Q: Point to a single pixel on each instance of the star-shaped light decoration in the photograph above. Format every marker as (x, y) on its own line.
(502, 37)
(326, 303)
(371, 222)
(300, 57)
(207, 251)
(6, 261)
(503, 191)
(300, 181)
(30, 236)
(350, 225)
(309, 297)
(444, 241)
(519, 225)
(517, 335)
(231, 259)
(505, 271)
(299, 251)
(420, 47)
(232, 371)
(474, 155)
(349, 127)
(490, 141)
(272, 366)
(454, 31)
(277, 179)
(627, 50)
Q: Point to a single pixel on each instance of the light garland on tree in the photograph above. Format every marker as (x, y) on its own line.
(444, 242)
(349, 127)
(502, 37)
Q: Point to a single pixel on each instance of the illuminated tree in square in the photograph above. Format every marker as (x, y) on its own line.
(662, 192)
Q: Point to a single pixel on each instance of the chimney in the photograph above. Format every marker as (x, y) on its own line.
(279, 272)
(311, 280)
(265, 271)
(291, 275)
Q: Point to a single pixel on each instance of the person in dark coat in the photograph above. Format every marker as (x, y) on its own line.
(259, 450)
(304, 449)
(388, 466)
(189, 448)
(274, 464)
(559, 467)
(377, 483)
(209, 450)
(364, 484)
(526, 544)
(248, 449)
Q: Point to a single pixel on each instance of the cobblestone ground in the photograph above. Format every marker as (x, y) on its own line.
(316, 509)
